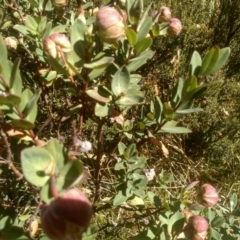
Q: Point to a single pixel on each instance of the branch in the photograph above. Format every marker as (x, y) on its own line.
(9, 156)
(98, 164)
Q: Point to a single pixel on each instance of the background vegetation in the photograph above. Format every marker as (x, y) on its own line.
(209, 154)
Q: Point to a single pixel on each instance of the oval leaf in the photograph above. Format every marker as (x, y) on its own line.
(34, 163)
(120, 81)
(143, 45)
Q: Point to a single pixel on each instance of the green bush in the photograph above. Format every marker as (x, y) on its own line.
(102, 99)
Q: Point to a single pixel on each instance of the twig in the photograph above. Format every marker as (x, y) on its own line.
(16, 8)
(98, 164)
(9, 156)
(43, 126)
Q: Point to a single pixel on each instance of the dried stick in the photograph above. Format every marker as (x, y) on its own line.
(9, 156)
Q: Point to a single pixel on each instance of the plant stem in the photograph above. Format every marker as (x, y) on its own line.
(98, 164)
(9, 156)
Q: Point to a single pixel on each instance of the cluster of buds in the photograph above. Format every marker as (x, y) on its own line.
(110, 24)
(165, 15)
(207, 195)
(196, 227)
(67, 217)
(55, 44)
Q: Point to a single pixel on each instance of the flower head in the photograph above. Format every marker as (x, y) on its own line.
(110, 24)
(208, 195)
(55, 43)
(174, 28)
(165, 14)
(67, 217)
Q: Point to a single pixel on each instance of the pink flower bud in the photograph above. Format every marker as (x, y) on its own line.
(208, 195)
(199, 223)
(10, 42)
(165, 14)
(174, 27)
(67, 217)
(55, 43)
(110, 25)
(59, 3)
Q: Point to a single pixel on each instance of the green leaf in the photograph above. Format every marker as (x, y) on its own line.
(145, 235)
(163, 28)
(143, 45)
(189, 88)
(131, 36)
(6, 25)
(31, 108)
(136, 201)
(119, 199)
(217, 221)
(42, 24)
(140, 60)
(129, 4)
(15, 232)
(145, 24)
(58, 152)
(191, 110)
(136, 11)
(15, 83)
(215, 234)
(145, 28)
(49, 76)
(31, 23)
(35, 161)
(195, 64)
(97, 96)
(233, 201)
(176, 130)
(78, 40)
(130, 100)
(57, 66)
(25, 31)
(47, 30)
(120, 81)
(209, 61)
(177, 93)
(23, 218)
(176, 223)
(96, 73)
(3, 51)
(154, 199)
(168, 111)
(9, 99)
(59, 29)
(156, 29)
(102, 109)
(223, 57)
(158, 107)
(143, 56)
(135, 79)
(121, 148)
(119, 166)
(69, 175)
(6, 72)
(99, 63)
(22, 124)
